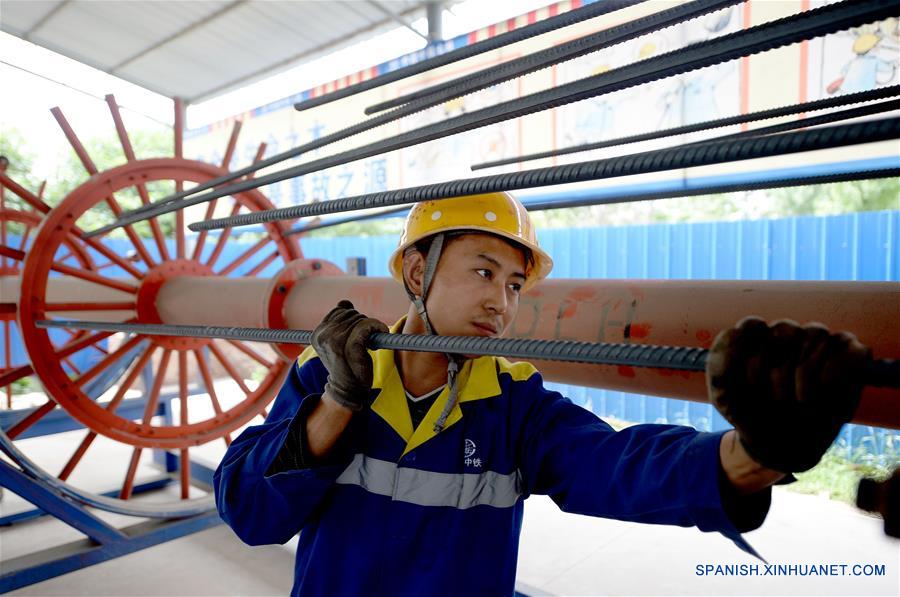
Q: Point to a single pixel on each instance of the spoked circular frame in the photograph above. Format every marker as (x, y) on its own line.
(134, 287)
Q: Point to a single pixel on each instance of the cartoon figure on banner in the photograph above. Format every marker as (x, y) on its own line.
(441, 159)
(596, 117)
(697, 97)
(874, 53)
(492, 145)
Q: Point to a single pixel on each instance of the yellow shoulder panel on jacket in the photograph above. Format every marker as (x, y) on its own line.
(519, 371)
(308, 353)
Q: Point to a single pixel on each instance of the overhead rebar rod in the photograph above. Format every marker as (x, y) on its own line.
(884, 372)
(715, 189)
(687, 156)
(812, 121)
(569, 50)
(822, 104)
(605, 197)
(347, 220)
(572, 17)
(452, 90)
(791, 29)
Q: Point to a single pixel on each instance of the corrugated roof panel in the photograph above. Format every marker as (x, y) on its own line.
(96, 34)
(154, 22)
(198, 48)
(299, 29)
(19, 16)
(252, 33)
(295, 15)
(222, 49)
(180, 66)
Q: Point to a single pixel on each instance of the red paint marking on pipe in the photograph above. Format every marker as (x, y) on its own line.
(704, 337)
(673, 373)
(569, 311)
(583, 293)
(626, 371)
(640, 330)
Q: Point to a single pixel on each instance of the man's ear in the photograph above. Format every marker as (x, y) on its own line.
(414, 271)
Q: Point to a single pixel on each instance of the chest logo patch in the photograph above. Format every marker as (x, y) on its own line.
(469, 452)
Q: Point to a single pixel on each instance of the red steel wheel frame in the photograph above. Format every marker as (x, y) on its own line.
(66, 391)
(22, 224)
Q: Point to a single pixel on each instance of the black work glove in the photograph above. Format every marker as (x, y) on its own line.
(340, 341)
(786, 389)
(884, 498)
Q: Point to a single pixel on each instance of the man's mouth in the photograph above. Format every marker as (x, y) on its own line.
(486, 328)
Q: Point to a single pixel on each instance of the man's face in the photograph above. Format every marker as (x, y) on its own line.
(476, 287)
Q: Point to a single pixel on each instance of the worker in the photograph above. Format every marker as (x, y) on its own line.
(407, 471)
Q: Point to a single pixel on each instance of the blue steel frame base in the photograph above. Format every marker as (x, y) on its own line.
(103, 542)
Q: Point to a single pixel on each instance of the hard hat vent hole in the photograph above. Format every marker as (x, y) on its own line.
(490, 216)
(436, 216)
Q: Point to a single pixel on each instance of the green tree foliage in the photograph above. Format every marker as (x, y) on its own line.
(14, 148)
(106, 153)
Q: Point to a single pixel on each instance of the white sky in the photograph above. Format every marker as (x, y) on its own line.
(35, 80)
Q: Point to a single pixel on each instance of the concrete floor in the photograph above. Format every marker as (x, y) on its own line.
(560, 554)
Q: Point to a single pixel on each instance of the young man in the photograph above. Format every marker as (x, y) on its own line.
(407, 471)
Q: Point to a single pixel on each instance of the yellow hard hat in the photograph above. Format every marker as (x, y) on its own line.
(500, 214)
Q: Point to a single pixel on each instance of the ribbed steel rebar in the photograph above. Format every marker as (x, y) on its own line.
(795, 28)
(606, 198)
(737, 187)
(848, 114)
(822, 104)
(492, 76)
(504, 39)
(885, 372)
(556, 54)
(689, 156)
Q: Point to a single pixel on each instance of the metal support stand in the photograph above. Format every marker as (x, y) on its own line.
(103, 542)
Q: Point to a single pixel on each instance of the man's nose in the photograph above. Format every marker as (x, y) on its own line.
(497, 300)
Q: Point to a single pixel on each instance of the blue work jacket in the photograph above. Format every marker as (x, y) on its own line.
(402, 511)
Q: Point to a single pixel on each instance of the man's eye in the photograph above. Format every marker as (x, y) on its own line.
(484, 273)
(517, 288)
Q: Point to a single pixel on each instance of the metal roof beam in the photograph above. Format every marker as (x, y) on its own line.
(53, 11)
(394, 17)
(181, 32)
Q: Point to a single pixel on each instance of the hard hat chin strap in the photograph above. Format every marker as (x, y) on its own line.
(453, 361)
(431, 261)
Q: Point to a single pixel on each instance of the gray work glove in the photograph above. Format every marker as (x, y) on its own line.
(340, 341)
(786, 389)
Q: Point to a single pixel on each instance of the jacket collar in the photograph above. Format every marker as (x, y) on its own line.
(477, 380)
